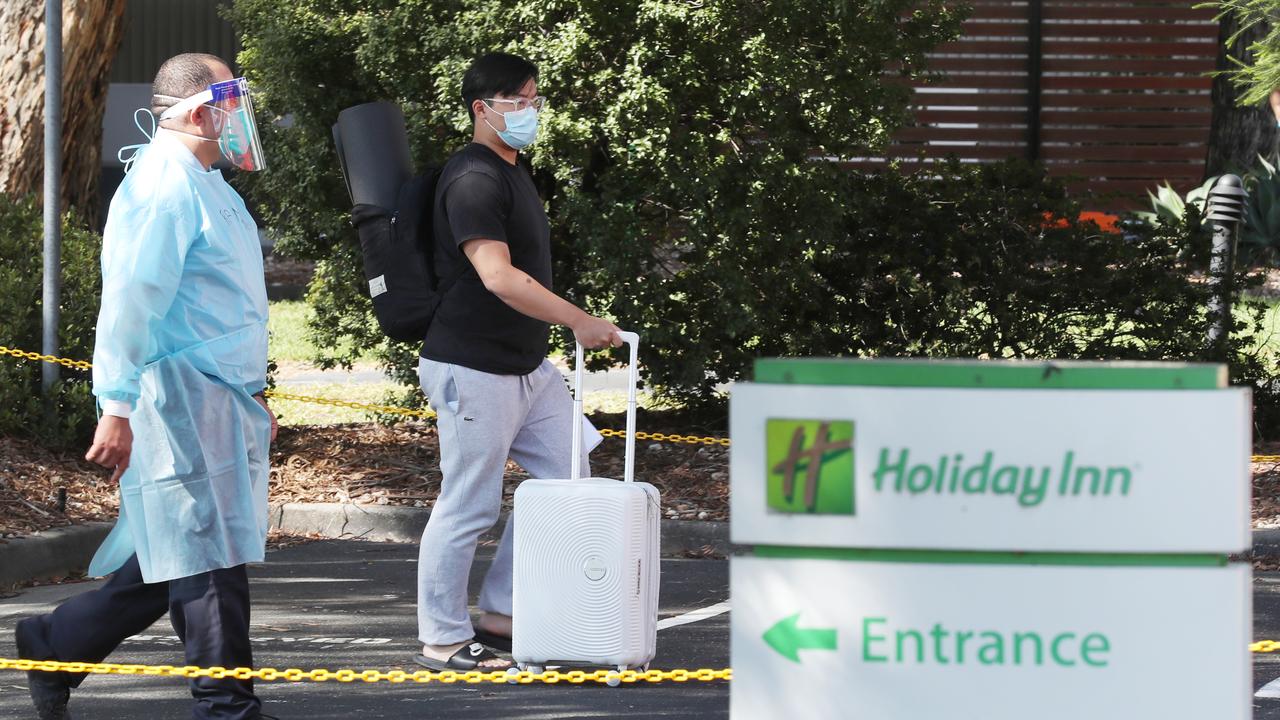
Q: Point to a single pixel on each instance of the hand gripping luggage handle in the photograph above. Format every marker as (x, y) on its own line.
(633, 374)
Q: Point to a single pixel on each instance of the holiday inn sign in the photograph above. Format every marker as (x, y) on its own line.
(1032, 469)
(989, 540)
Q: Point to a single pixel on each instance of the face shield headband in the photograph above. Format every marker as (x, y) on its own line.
(233, 119)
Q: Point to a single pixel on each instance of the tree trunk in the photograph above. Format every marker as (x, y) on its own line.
(91, 34)
(1238, 135)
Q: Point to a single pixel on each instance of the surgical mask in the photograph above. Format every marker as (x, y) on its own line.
(522, 127)
(233, 119)
(128, 154)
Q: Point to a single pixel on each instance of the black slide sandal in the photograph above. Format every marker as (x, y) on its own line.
(467, 658)
(497, 642)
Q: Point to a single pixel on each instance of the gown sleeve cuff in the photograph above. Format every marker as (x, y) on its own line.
(117, 408)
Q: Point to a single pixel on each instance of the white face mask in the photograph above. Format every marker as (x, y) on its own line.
(522, 127)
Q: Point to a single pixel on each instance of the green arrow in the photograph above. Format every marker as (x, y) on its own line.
(789, 640)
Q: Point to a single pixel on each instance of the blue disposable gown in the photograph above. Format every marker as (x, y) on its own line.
(182, 335)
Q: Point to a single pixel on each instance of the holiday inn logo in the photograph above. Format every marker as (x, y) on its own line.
(810, 470)
(810, 466)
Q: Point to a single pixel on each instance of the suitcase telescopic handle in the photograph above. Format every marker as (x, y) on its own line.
(633, 377)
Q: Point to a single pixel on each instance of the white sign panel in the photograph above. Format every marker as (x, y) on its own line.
(961, 469)
(819, 639)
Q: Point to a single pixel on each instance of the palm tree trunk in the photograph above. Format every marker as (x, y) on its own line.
(1238, 134)
(91, 34)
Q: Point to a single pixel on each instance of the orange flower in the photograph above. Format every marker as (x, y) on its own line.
(1104, 221)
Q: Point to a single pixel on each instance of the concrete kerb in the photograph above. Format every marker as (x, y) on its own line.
(391, 523)
(63, 551)
(52, 553)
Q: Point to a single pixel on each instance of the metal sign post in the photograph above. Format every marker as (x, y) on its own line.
(52, 187)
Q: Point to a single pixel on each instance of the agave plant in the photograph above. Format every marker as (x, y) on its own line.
(1260, 232)
(1169, 207)
(1260, 236)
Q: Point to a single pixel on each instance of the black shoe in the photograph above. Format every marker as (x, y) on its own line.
(49, 691)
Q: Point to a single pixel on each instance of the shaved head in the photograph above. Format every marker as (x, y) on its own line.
(185, 75)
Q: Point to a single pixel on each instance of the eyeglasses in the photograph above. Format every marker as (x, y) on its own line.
(536, 103)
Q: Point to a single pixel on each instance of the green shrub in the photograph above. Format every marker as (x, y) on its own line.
(677, 164)
(974, 261)
(671, 125)
(22, 408)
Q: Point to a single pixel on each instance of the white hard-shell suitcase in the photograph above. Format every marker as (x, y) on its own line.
(586, 560)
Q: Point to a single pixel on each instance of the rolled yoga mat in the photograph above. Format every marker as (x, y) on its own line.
(373, 148)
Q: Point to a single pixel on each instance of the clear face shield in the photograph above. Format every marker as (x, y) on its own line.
(232, 118)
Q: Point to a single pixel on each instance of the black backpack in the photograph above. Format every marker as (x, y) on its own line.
(398, 247)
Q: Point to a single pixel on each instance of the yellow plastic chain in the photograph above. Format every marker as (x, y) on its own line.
(385, 409)
(497, 677)
(382, 409)
(408, 412)
(66, 362)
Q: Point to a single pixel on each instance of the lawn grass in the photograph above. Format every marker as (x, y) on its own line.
(287, 324)
(295, 412)
(291, 341)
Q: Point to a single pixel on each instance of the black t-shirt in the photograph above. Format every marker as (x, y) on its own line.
(480, 195)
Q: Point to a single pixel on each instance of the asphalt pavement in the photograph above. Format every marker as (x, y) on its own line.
(1266, 626)
(341, 604)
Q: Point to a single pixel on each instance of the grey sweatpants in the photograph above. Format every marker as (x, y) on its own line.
(483, 420)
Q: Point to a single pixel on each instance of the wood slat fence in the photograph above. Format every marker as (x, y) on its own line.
(1113, 94)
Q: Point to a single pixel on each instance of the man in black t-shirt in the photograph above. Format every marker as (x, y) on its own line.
(484, 364)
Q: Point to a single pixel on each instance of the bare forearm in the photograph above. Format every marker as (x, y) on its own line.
(527, 296)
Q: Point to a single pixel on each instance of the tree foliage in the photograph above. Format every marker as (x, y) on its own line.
(690, 166)
(675, 159)
(1254, 18)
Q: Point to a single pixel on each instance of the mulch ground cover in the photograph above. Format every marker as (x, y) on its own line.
(1266, 489)
(363, 463)
(368, 463)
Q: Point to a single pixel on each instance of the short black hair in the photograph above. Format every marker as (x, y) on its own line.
(494, 74)
(182, 76)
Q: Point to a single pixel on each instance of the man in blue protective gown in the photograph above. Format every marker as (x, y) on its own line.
(178, 369)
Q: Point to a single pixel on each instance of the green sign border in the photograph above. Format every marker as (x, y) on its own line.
(967, 557)
(991, 374)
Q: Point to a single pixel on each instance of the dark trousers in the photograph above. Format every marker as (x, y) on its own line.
(209, 612)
